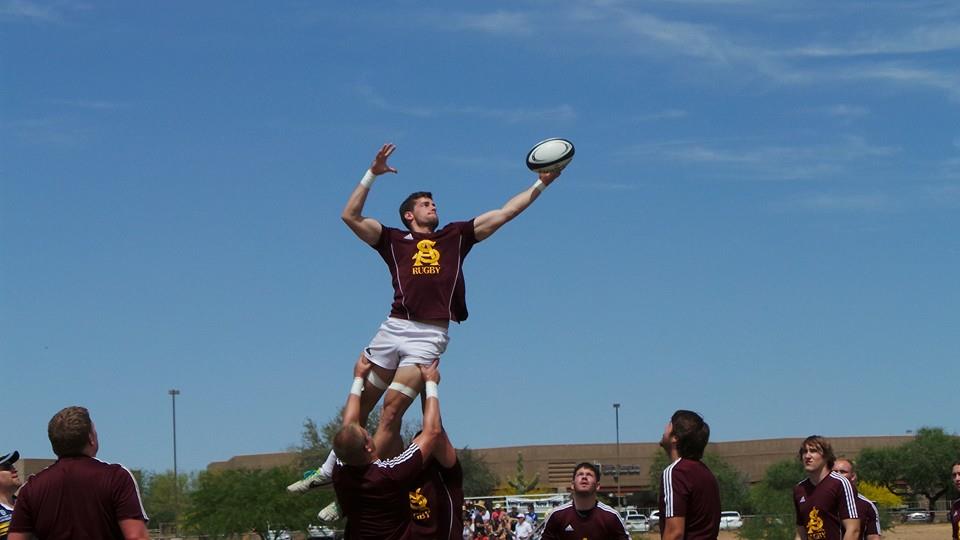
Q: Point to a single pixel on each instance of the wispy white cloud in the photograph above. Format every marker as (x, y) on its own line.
(857, 202)
(843, 110)
(943, 195)
(497, 22)
(26, 10)
(100, 105)
(666, 114)
(920, 39)
(562, 112)
(45, 132)
(635, 29)
(748, 160)
(53, 11)
(905, 74)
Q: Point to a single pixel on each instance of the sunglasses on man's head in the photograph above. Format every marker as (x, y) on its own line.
(6, 467)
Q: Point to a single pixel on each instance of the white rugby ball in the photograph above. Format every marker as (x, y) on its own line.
(550, 155)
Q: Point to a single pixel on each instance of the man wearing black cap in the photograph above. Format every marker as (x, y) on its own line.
(9, 483)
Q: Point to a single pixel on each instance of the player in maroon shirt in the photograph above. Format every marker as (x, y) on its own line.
(426, 270)
(584, 518)
(78, 497)
(955, 509)
(374, 493)
(689, 492)
(826, 502)
(436, 505)
(869, 516)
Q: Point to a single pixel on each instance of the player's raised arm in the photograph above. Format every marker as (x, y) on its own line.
(351, 411)
(487, 223)
(432, 430)
(367, 229)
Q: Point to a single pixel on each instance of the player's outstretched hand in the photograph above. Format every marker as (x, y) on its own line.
(547, 177)
(379, 165)
(362, 367)
(430, 373)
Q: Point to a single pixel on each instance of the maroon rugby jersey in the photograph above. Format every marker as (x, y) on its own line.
(427, 271)
(822, 508)
(374, 497)
(869, 517)
(689, 490)
(78, 498)
(955, 519)
(598, 523)
(436, 504)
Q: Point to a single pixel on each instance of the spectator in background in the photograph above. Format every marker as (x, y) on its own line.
(9, 483)
(531, 514)
(524, 530)
(79, 496)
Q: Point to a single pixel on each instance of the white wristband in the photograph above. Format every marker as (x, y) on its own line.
(357, 387)
(368, 179)
(431, 390)
(539, 185)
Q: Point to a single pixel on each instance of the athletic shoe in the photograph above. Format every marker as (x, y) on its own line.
(311, 480)
(331, 512)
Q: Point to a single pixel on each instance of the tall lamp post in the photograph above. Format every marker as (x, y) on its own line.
(176, 479)
(616, 411)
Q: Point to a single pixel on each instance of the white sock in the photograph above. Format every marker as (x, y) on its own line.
(327, 468)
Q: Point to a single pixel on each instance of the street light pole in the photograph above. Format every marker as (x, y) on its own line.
(176, 479)
(616, 410)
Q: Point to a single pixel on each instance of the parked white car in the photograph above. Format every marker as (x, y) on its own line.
(637, 523)
(730, 520)
(654, 518)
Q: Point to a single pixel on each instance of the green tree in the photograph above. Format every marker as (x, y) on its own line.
(919, 466)
(163, 499)
(734, 493)
(478, 478)
(518, 482)
(772, 501)
(245, 500)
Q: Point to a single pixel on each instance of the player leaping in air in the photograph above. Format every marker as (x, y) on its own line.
(427, 275)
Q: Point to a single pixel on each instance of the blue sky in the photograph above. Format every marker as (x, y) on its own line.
(761, 222)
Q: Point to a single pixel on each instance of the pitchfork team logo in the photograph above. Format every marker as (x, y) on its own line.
(427, 259)
(815, 525)
(419, 505)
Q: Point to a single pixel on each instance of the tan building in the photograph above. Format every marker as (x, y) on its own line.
(554, 463)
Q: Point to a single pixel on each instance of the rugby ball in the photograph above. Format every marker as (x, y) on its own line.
(550, 155)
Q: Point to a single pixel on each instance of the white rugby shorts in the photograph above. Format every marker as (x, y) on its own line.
(401, 342)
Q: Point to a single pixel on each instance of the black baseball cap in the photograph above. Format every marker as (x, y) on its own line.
(10, 459)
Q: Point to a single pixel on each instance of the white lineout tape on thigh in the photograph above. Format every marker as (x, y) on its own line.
(376, 381)
(404, 389)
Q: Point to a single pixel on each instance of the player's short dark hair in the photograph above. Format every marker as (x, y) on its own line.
(411, 201)
(692, 434)
(69, 431)
(587, 465)
(955, 463)
(822, 445)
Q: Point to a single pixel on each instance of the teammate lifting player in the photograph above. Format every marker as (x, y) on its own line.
(427, 276)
